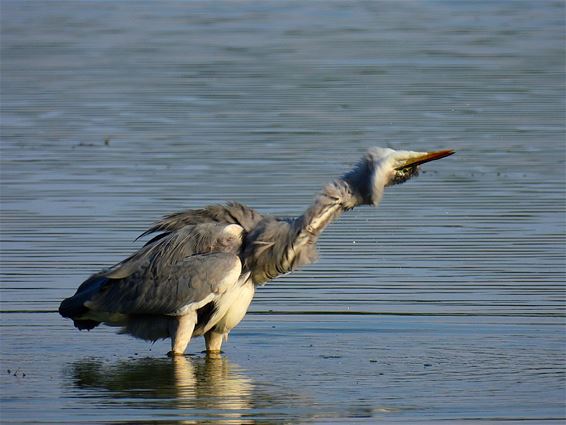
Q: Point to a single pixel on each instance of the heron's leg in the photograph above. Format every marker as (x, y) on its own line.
(213, 341)
(181, 329)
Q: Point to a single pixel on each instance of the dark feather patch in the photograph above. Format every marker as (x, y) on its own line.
(85, 324)
(204, 314)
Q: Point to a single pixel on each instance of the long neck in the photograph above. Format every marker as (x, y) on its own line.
(276, 247)
(328, 205)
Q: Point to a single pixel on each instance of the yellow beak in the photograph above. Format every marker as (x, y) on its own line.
(429, 156)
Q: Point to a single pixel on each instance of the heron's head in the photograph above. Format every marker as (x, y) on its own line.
(382, 167)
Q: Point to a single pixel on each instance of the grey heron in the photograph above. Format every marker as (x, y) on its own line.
(199, 274)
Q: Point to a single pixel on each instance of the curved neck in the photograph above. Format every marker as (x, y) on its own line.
(277, 246)
(328, 205)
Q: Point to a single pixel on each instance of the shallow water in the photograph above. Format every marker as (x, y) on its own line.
(444, 305)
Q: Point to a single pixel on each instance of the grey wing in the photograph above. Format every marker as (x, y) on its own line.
(176, 262)
(185, 286)
(231, 213)
(167, 250)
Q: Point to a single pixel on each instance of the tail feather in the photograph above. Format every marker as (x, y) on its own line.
(82, 325)
(74, 307)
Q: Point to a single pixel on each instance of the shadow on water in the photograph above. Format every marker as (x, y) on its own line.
(184, 390)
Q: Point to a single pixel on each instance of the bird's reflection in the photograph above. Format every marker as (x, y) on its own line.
(200, 390)
(214, 383)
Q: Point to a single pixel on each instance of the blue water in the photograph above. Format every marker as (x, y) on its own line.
(446, 304)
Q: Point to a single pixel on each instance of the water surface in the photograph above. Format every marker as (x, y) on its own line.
(444, 305)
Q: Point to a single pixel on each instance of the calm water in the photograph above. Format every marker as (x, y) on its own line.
(446, 304)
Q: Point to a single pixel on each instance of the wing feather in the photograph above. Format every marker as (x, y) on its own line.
(173, 247)
(184, 286)
(179, 271)
(231, 213)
